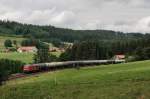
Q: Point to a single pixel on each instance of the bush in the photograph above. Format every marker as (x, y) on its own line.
(42, 54)
(8, 43)
(3, 74)
(142, 53)
(12, 49)
(8, 67)
(29, 42)
(65, 56)
(53, 58)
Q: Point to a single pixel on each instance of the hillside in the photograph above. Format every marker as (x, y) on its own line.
(23, 57)
(121, 81)
(49, 33)
(3, 38)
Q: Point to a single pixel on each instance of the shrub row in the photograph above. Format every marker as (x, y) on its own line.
(8, 67)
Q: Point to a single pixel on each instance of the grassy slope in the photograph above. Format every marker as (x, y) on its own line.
(3, 38)
(17, 38)
(24, 57)
(122, 81)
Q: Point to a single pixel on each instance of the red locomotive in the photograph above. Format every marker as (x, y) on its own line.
(31, 68)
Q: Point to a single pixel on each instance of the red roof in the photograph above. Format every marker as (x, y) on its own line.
(120, 56)
(27, 48)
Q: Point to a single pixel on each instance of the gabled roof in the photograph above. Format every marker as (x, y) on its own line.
(27, 48)
(120, 56)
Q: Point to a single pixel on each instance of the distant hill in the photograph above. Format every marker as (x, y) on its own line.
(66, 35)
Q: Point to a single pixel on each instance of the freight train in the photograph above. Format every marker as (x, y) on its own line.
(67, 64)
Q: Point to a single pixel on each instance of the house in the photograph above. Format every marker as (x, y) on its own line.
(55, 49)
(119, 57)
(27, 49)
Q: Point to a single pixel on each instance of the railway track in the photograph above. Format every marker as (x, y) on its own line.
(23, 75)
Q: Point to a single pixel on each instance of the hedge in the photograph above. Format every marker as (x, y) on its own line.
(8, 67)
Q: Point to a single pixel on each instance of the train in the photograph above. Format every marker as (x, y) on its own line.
(66, 64)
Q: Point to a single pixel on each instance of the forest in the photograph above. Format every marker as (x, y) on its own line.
(51, 33)
(134, 50)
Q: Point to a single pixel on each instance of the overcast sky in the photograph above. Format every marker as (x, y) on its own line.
(120, 15)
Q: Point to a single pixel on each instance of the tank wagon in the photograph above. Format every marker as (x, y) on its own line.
(66, 64)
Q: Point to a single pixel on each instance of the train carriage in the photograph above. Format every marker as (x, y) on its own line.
(66, 64)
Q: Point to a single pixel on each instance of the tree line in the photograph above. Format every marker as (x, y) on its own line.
(97, 50)
(50, 33)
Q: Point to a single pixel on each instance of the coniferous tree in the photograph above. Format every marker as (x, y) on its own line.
(42, 54)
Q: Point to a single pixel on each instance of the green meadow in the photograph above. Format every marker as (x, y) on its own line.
(24, 57)
(3, 38)
(115, 81)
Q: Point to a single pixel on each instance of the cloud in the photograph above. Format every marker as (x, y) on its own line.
(120, 15)
(64, 18)
(143, 25)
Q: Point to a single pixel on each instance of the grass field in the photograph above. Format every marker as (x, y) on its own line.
(24, 57)
(121, 81)
(17, 38)
(3, 38)
(57, 54)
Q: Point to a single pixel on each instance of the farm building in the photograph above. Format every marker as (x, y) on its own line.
(27, 49)
(55, 49)
(119, 57)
